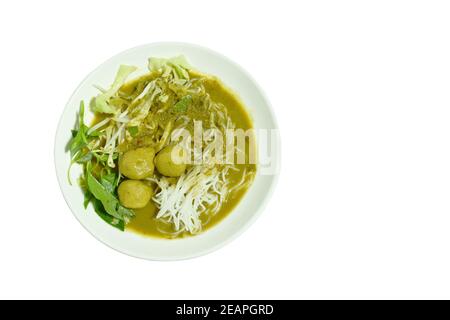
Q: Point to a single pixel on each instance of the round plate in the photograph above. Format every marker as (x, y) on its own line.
(238, 220)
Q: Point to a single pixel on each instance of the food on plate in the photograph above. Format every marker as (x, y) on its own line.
(156, 158)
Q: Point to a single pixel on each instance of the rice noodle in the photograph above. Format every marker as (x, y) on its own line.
(182, 203)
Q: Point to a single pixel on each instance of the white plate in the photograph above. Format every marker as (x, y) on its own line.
(236, 222)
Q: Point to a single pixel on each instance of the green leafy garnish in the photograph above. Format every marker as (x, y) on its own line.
(107, 198)
(79, 136)
(83, 157)
(87, 198)
(183, 104)
(95, 133)
(77, 145)
(100, 210)
(109, 181)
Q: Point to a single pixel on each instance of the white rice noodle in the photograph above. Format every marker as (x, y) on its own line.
(241, 184)
(202, 189)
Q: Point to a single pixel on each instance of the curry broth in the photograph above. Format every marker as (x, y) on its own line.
(145, 221)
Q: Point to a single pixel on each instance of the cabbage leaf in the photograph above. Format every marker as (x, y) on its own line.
(178, 64)
(100, 103)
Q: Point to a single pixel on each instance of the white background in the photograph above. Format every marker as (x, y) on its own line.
(361, 90)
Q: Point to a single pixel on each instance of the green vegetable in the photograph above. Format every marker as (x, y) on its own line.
(179, 64)
(79, 136)
(181, 72)
(133, 131)
(103, 158)
(83, 157)
(183, 104)
(106, 197)
(155, 64)
(109, 181)
(95, 133)
(101, 102)
(100, 210)
(87, 198)
(77, 145)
